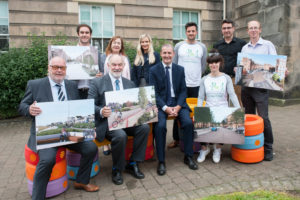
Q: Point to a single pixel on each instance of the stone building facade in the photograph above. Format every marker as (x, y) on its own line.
(280, 20)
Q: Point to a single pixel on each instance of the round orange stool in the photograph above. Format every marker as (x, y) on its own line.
(254, 125)
(247, 155)
(58, 171)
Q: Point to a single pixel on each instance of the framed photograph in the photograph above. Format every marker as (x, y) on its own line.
(131, 107)
(219, 125)
(261, 71)
(65, 122)
(82, 61)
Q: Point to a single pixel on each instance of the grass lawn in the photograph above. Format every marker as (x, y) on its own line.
(257, 195)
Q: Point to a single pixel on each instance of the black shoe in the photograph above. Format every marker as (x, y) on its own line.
(117, 177)
(161, 169)
(190, 162)
(134, 171)
(268, 155)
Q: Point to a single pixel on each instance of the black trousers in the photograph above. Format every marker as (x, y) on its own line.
(47, 158)
(254, 98)
(118, 140)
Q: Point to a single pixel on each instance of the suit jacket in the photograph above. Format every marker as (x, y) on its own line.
(40, 90)
(157, 78)
(97, 89)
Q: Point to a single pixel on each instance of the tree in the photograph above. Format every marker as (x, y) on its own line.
(142, 97)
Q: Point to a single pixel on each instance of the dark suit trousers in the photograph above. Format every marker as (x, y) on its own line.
(160, 132)
(47, 158)
(192, 92)
(253, 99)
(118, 140)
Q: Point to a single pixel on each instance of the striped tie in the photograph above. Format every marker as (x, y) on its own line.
(61, 96)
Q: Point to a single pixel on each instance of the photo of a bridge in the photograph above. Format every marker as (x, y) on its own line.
(65, 122)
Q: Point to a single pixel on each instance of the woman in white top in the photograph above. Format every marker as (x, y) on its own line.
(115, 46)
(215, 89)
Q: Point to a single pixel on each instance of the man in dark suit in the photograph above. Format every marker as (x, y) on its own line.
(170, 90)
(110, 82)
(55, 88)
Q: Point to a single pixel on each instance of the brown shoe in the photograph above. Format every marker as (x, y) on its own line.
(173, 144)
(89, 187)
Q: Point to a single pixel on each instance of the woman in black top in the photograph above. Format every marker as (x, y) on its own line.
(144, 59)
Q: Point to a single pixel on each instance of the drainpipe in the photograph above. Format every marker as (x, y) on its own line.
(224, 9)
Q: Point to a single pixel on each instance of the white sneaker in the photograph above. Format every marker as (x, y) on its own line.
(202, 155)
(217, 155)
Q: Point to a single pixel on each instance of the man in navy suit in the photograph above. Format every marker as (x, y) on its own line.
(55, 88)
(170, 90)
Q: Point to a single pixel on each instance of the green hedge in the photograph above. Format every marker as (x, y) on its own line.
(19, 65)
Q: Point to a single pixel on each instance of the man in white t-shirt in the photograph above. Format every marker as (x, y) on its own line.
(190, 54)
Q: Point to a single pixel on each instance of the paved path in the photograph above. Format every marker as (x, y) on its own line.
(179, 183)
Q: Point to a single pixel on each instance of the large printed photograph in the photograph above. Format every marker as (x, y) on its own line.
(82, 61)
(219, 125)
(261, 71)
(131, 107)
(65, 122)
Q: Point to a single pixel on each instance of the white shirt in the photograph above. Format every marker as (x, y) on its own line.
(190, 56)
(54, 89)
(113, 82)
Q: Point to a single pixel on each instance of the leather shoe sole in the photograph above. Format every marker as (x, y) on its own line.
(89, 187)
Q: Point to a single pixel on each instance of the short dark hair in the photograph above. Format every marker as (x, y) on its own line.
(83, 25)
(189, 24)
(228, 21)
(214, 56)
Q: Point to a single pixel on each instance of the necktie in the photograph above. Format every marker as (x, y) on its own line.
(169, 97)
(117, 85)
(61, 96)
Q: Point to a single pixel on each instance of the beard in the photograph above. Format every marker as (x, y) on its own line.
(116, 74)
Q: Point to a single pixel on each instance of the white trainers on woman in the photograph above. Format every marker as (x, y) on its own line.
(217, 155)
(202, 155)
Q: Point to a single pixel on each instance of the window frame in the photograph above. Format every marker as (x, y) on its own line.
(6, 35)
(182, 26)
(102, 39)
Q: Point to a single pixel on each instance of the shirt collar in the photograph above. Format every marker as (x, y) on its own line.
(113, 79)
(166, 65)
(52, 83)
(259, 42)
(233, 40)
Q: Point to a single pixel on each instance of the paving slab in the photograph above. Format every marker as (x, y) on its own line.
(283, 173)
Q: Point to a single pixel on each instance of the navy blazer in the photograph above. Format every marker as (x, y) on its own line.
(97, 91)
(40, 90)
(157, 78)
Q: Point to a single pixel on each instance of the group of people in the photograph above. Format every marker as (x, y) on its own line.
(175, 73)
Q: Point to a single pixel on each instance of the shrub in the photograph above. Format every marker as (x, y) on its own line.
(19, 65)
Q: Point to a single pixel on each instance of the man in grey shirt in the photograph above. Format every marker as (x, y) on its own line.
(190, 54)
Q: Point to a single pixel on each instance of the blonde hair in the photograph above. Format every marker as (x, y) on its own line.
(139, 58)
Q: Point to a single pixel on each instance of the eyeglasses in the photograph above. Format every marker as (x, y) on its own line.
(56, 67)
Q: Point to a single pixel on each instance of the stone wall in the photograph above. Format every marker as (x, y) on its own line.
(132, 18)
(280, 20)
(38, 16)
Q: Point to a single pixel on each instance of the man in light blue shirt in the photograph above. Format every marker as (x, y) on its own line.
(254, 98)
